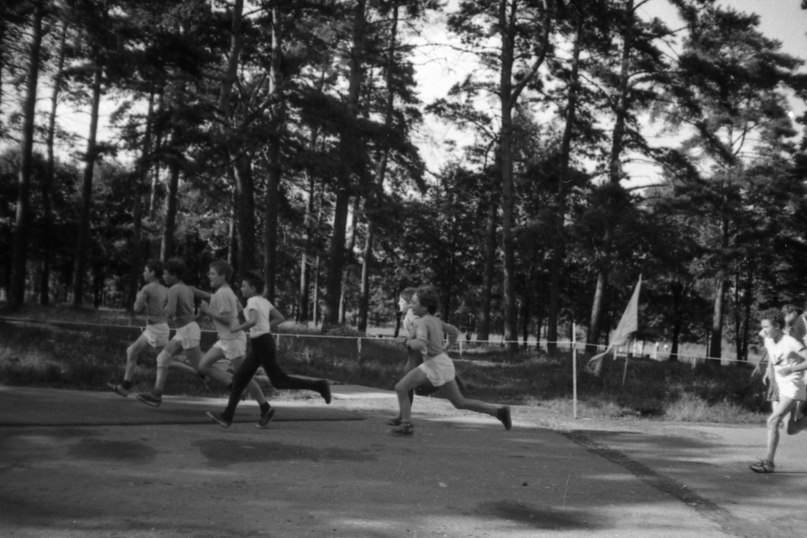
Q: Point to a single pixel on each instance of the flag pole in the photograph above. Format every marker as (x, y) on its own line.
(574, 370)
(627, 358)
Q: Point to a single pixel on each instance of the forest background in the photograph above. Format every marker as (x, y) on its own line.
(284, 136)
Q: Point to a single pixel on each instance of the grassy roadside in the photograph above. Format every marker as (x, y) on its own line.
(83, 349)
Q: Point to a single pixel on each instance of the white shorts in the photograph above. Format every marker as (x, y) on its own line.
(439, 369)
(157, 334)
(232, 349)
(188, 336)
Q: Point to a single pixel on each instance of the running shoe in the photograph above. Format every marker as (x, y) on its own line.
(149, 398)
(218, 418)
(118, 389)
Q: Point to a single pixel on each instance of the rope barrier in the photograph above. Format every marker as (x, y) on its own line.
(462, 344)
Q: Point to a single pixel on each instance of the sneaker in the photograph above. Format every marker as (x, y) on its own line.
(503, 414)
(403, 430)
(394, 421)
(266, 417)
(118, 389)
(325, 390)
(149, 398)
(218, 418)
(763, 466)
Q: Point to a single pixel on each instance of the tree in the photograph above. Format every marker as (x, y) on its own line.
(728, 91)
(19, 255)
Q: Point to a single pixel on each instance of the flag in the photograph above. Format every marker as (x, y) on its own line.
(628, 324)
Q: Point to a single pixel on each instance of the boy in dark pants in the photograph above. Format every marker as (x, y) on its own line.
(260, 314)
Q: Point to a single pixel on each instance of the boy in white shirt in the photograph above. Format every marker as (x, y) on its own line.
(788, 359)
(260, 315)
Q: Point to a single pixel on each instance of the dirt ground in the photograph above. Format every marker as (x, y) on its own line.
(95, 464)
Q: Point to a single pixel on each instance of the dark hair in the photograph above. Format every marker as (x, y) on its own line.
(774, 315)
(407, 293)
(254, 279)
(155, 266)
(428, 298)
(223, 268)
(790, 309)
(175, 267)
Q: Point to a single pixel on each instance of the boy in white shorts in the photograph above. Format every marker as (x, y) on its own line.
(179, 309)
(788, 359)
(231, 345)
(150, 300)
(437, 367)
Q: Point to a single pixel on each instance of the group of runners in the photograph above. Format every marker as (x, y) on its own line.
(173, 305)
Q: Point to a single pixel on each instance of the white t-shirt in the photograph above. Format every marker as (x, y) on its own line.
(792, 385)
(263, 307)
(224, 300)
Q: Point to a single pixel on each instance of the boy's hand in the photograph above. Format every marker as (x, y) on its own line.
(204, 308)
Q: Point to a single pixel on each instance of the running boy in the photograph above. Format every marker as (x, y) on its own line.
(150, 300)
(179, 309)
(789, 360)
(414, 357)
(437, 367)
(260, 315)
(231, 345)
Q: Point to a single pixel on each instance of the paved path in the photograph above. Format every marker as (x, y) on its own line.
(94, 464)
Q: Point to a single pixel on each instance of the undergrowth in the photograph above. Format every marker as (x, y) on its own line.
(83, 357)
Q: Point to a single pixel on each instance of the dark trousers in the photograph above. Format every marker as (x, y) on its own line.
(262, 353)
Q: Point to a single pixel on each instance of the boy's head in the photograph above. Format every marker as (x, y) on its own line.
(252, 284)
(153, 269)
(174, 269)
(772, 322)
(428, 299)
(220, 273)
(405, 298)
(790, 312)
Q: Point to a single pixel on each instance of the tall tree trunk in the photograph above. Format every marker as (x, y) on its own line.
(351, 245)
(20, 254)
(483, 324)
(86, 191)
(716, 333)
(508, 98)
(244, 212)
(50, 173)
(614, 164)
(305, 272)
(240, 160)
(373, 201)
(171, 209)
(559, 217)
(348, 149)
(140, 177)
(275, 166)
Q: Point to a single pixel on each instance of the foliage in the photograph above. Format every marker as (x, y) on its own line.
(280, 135)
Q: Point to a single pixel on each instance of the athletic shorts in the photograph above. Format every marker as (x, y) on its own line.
(157, 334)
(439, 369)
(189, 336)
(232, 349)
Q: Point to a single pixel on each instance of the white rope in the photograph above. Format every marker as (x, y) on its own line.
(461, 343)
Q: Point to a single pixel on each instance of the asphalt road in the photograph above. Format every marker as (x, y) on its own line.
(95, 464)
